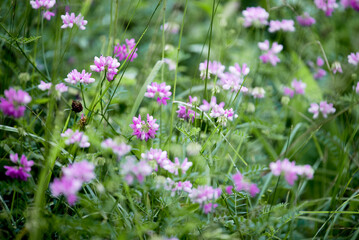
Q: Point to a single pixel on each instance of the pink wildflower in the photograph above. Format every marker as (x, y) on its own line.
(158, 156)
(83, 171)
(314, 108)
(288, 91)
(242, 185)
(186, 112)
(290, 170)
(48, 15)
(144, 130)
(299, 86)
(305, 20)
(353, 58)
(327, 6)
(234, 78)
(345, 3)
(75, 77)
(162, 90)
(13, 103)
(326, 108)
(44, 86)
(75, 137)
(270, 54)
(320, 72)
(285, 25)
(255, 16)
(205, 194)
(357, 88)
(123, 51)
(119, 149)
(132, 169)
(336, 67)
(22, 170)
(208, 106)
(61, 87)
(67, 187)
(69, 20)
(209, 207)
(214, 68)
(171, 27)
(174, 167)
(107, 64)
(171, 64)
(36, 4)
(354, 4)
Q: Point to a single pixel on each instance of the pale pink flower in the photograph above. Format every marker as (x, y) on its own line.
(107, 64)
(327, 6)
(209, 207)
(214, 68)
(174, 167)
(357, 88)
(314, 108)
(83, 171)
(44, 86)
(255, 16)
(208, 106)
(120, 149)
(299, 86)
(36, 4)
(305, 20)
(61, 88)
(234, 78)
(171, 64)
(270, 53)
(75, 77)
(161, 90)
(243, 185)
(336, 67)
(291, 170)
(67, 187)
(326, 108)
(288, 91)
(48, 15)
(319, 71)
(204, 195)
(285, 25)
(158, 156)
(13, 103)
(69, 20)
(144, 130)
(345, 3)
(75, 137)
(124, 51)
(132, 169)
(353, 58)
(258, 92)
(22, 168)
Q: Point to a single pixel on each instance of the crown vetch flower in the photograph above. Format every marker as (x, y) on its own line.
(204, 195)
(83, 171)
(258, 92)
(214, 68)
(234, 78)
(290, 170)
(133, 169)
(305, 20)
(353, 58)
(75, 137)
(255, 16)
(354, 4)
(48, 15)
(242, 185)
(299, 86)
(288, 91)
(314, 108)
(44, 86)
(174, 167)
(144, 130)
(286, 25)
(270, 53)
(22, 170)
(75, 77)
(161, 90)
(106, 63)
(69, 20)
(327, 6)
(13, 103)
(36, 4)
(123, 51)
(120, 149)
(326, 108)
(158, 156)
(186, 112)
(319, 72)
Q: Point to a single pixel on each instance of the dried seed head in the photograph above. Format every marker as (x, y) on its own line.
(76, 106)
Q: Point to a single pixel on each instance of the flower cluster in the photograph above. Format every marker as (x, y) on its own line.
(60, 88)
(156, 156)
(327, 6)
(13, 103)
(258, 92)
(353, 58)
(290, 170)
(186, 112)
(286, 25)
(234, 78)
(72, 179)
(323, 107)
(144, 130)
(107, 64)
(119, 149)
(174, 167)
(161, 90)
(46, 4)
(75, 77)
(204, 195)
(255, 16)
(133, 169)
(270, 53)
(70, 19)
(177, 187)
(124, 50)
(299, 88)
(242, 185)
(22, 170)
(320, 72)
(75, 137)
(218, 111)
(305, 20)
(214, 68)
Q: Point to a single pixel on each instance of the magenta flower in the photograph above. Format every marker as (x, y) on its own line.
(209, 207)
(75, 137)
(161, 90)
(107, 64)
(75, 77)
(144, 130)
(22, 170)
(120, 149)
(286, 25)
(270, 53)
(288, 92)
(13, 103)
(171, 27)
(133, 169)
(234, 78)
(123, 51)
(186, 112)
(319, 72)
(327, 6)
(214, 68)
(222, 115)
(305, 20)
(353, 58)
(69, 20)
(255, 16)
(354, 4)
(290, 170)
(242, 185)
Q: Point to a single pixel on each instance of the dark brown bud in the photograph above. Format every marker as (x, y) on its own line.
(76, 106)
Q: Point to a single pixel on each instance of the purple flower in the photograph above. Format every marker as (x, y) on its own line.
(162, 90)
(270, 54)
(75, 137)
(290, 170)
(144, 130)
(75, 77)
(327, 6)
(255, 16)
(69, 20)
(13, 103)
(123, 51)
(22, 170)
(286, 25)
(305, 20)
(319, 72)
(214, 68)
(354, 4)
(209, 207)
(288, 91)
(186, 112)
(353, 58)
(107, 64)
(119, 149)
(133, 169)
